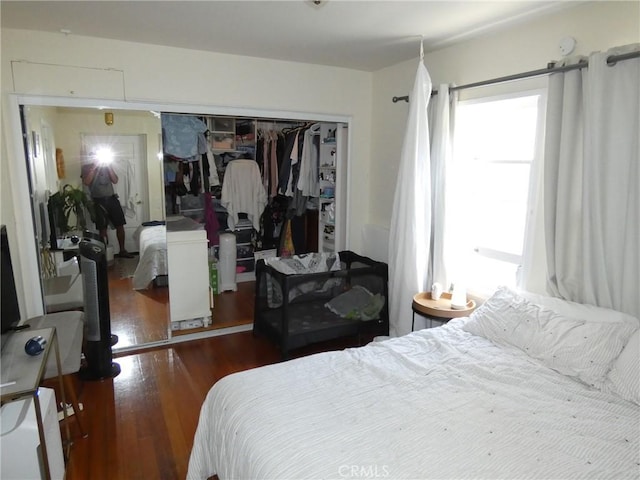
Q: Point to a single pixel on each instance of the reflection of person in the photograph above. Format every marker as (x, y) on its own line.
(100, 177)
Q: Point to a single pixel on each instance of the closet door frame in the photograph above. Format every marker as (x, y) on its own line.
(342, 182)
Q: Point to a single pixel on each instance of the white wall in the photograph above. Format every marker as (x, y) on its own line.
(73, 122)
(597, 26)
(171, 75)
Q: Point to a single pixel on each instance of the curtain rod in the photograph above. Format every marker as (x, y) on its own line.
(551, 68)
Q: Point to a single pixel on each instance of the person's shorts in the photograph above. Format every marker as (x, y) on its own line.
(108, 209)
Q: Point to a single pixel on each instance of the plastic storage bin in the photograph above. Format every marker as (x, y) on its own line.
(227, 263)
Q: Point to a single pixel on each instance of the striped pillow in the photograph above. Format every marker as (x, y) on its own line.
(591, 313)
(574, 347)
(625, 374)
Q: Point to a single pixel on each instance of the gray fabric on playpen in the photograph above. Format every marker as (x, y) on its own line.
(357, 303)
(301, 264)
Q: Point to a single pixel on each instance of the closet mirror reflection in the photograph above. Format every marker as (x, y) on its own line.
(161, 193)
(60, 141)
(237, 189)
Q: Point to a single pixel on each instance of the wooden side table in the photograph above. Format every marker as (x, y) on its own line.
(439, 310)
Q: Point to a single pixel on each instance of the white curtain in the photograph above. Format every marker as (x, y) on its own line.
(592, 183)
(411, 221)
(532, 273)
(441, 114)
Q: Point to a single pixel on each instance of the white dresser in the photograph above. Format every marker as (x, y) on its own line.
(189, 296)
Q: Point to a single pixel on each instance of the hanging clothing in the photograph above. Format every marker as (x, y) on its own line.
(286, 241)
(277, 144)
(298, 204)
(195, 186)
(299, 234)
(242, 191)
(181, 135)
(271, 143)
(262, 157)
(272, 219)
(284, 161)
(308, 179)
(294, 158)
(209, 167)
(211, 221)
(127, 190)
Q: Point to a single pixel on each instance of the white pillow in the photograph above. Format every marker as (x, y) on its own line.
(579, 310)
(625, 374)
(497, 318)
(574, 347)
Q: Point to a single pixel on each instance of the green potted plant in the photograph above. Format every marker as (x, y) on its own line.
(73, 203)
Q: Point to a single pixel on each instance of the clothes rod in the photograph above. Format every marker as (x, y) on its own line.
(551, 68)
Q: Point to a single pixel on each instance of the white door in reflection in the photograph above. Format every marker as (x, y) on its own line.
(129, 159)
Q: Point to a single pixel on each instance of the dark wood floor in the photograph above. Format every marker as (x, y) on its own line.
(142, 316)
(137, 316)
(141, 423)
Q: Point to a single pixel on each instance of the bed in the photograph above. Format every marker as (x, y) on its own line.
(152, 261)
(505, 393)
(152, 245)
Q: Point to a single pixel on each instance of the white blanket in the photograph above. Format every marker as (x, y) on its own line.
(438, 403)
(153, 256)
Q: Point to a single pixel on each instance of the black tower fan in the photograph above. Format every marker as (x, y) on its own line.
(93, 264)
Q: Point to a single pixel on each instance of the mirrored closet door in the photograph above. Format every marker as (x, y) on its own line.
(158, 192)
(61, 141)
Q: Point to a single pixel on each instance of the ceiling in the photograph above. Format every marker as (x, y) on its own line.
(362, 35)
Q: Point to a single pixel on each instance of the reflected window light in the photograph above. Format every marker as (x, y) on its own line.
(104, 156)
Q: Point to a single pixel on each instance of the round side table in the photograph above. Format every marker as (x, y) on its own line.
(439, 310)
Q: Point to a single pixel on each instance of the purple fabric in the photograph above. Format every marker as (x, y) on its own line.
(211, 221)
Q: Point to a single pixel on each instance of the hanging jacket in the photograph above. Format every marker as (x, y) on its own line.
(243, 191)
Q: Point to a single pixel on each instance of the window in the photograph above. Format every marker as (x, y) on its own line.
(495, 143)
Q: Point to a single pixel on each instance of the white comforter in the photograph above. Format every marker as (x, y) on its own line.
(438, 403)
(153, 256)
